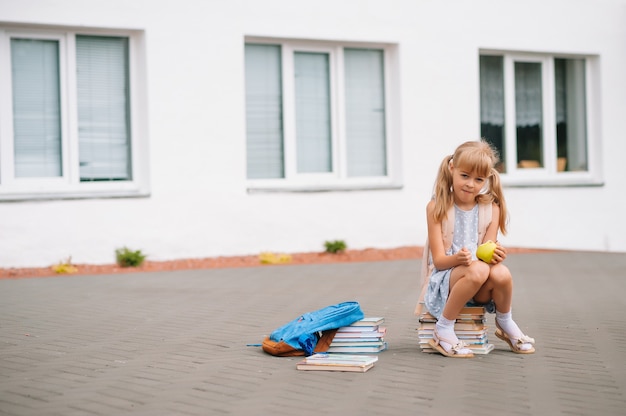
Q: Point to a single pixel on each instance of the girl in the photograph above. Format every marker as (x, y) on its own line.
(468, 209)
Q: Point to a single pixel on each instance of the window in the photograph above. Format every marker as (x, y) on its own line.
(318, 115)
(67, 122)
(534, 110)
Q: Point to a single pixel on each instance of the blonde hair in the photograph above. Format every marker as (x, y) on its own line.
(473, 156)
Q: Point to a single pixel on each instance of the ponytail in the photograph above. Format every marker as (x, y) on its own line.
(442, 195)
(495, 188)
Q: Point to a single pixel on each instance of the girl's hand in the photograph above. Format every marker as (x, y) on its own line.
(499, 254)
(464, 257)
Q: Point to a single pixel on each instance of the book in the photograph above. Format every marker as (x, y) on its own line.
(380, 332)
(358, 329)
(473, 310)
(334, 367)
(357, 343)
(362, 337)
(470, 327)
(467, 313)
(357, 349)
(337, 362)
(459, 325)
(369, 321)
(481, 349)
(340, 340)
(477, 339)
(328, 357)
(469, 333)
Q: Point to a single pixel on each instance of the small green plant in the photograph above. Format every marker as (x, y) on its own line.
(336, 246)
(129, 258)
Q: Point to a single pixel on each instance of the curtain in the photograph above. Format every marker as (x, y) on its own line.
(571, 113)
(492, 90)
(528, 108)
(529, 114)
(492, 104)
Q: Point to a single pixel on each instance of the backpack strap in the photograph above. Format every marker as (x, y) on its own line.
(426, 271)
(447, 229)
(485, 212)
(447, 232)
(282, 349)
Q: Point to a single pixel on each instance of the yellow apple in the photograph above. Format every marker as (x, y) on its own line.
(485, 251)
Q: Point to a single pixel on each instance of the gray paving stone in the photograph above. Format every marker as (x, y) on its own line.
(175, 343)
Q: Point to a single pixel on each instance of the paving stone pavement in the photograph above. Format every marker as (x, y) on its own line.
(176, 343)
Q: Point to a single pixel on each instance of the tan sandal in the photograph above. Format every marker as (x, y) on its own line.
(435, 343)
(515, 344)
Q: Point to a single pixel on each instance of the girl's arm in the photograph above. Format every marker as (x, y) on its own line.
(492, 234)
(435, 240)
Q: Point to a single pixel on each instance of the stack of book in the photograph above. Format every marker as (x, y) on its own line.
(470, 327)
(362, 337)
(337, 362)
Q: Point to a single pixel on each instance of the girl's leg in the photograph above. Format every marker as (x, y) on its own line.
(465, 281)
(499, 287)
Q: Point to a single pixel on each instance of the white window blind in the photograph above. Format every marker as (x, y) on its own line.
(365, 112)
(103, 108)
(313, 128)
(36, 107)
(264, 116)
(316, 114)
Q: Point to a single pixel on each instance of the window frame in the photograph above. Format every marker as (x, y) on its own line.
(289, 112)
(548, 175)
(69, 185)
(336, 180)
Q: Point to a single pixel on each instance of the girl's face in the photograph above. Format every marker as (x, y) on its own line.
(466, 185)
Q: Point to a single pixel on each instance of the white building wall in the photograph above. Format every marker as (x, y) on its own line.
(198, 204)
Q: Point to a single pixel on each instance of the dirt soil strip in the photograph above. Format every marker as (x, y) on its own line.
(370, 254)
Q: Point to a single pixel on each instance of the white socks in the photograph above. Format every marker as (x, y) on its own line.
(508, 325)
(445, 331)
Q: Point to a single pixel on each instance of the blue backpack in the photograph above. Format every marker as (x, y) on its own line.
(312, 332)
